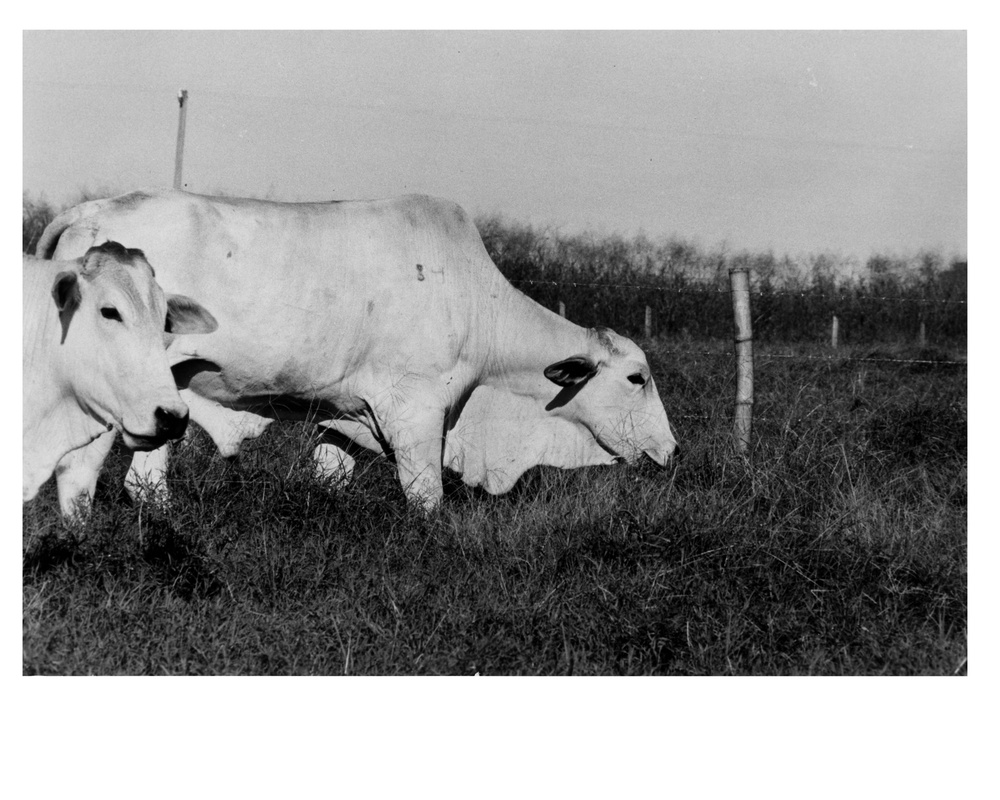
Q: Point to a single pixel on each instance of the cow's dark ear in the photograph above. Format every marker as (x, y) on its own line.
(185, 315)
(66, 291)
(571, 371)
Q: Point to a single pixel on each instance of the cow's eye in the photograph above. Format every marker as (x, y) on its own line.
(637, 379)
(110, 312)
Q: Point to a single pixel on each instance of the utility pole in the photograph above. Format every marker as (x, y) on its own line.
(179, 157)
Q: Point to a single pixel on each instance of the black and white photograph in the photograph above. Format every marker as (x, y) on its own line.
(495, 353)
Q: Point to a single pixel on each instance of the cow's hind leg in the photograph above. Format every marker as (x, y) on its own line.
(227, 427)
(332, 464)
(146, 481)
(342, 441)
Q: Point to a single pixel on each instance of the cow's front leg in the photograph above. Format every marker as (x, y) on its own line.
(77, 473)
(417, 448)
(342, 442)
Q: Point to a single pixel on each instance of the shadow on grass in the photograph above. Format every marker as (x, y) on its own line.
(50, 551)
(123, 542)
(178, 562)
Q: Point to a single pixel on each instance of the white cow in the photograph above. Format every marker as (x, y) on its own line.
(94, 359)
(387, 323)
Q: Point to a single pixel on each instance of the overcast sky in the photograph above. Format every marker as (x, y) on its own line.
(800, 142)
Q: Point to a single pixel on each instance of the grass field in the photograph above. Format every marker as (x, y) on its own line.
(838, 546)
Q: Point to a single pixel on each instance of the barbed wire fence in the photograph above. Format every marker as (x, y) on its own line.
(835, 321)
(742, 355)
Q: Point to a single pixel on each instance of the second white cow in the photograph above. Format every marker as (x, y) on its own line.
(94, 359)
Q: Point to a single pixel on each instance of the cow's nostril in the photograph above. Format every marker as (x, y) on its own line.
(170, 424)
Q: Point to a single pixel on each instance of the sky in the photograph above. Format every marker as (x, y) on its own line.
(847, 142)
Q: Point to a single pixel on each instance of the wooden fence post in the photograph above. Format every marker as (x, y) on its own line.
(179, 155)
(649, 323)
(834, 332)
(739, 282)
(562, 309)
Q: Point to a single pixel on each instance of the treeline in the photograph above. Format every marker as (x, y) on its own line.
(611, 280)
(35, 215)
(37, 212)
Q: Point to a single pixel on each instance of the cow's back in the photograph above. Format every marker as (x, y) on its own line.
(351, 242)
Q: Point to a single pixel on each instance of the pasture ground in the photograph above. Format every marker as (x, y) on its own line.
(839, 546)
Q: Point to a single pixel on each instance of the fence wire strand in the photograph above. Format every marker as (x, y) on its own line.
(796, 356)
(839, 359)
(654, 287)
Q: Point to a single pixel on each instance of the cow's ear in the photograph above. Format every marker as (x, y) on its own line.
(571, 371)
(66, 291)
(185, 315)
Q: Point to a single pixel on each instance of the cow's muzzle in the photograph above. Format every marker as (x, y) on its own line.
(663, 457)
(170, 424)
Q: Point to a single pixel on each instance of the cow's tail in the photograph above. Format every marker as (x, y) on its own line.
(49, 240)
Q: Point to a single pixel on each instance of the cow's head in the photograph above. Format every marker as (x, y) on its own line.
(115, 324)
(610, 391)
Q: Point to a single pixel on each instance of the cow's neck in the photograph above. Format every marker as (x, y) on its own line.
(527, 338)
